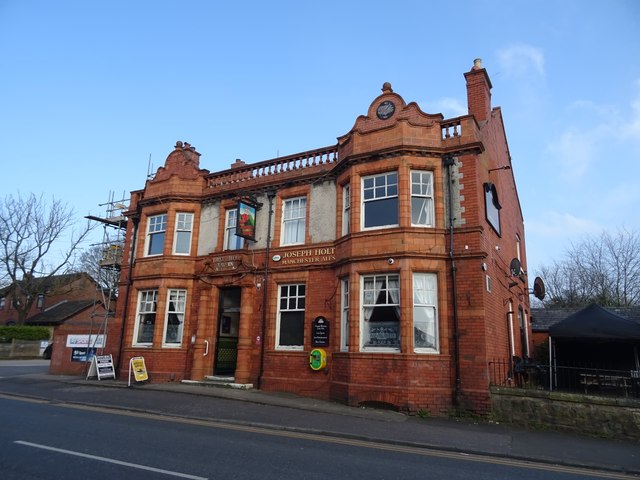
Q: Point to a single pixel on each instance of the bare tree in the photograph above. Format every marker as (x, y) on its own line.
(604, 270)
(37, 241)
(102, 263)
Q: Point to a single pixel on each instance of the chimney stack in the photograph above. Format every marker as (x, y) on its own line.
(478, 92)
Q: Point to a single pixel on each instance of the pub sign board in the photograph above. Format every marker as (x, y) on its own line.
(246, 221)
(320, 332)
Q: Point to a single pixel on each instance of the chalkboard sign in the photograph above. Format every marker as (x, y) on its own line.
(320, 332)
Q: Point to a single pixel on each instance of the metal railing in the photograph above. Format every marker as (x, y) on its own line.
(584, 379)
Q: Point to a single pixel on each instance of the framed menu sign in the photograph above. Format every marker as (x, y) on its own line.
(320, 332)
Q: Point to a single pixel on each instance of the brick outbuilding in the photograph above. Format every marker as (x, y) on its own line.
(398, 252)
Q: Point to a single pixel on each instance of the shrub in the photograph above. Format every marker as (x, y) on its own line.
(8, 334)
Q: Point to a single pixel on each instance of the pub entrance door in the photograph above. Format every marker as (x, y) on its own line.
(227, 338)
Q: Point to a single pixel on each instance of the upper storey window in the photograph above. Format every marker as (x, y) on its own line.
(380, 200)
(156, 230)
(422, 199)
(294, 221)
(182, 238)
(231, 240)
(492, 206)
(346, 209)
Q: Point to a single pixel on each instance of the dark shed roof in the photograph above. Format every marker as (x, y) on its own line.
(59, 313)
(596, 323)
(543, 318)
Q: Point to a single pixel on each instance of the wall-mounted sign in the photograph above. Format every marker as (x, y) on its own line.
(93, 341)
(307, 255)
(320, 332)
(82, 354)
(246, 221)
(226, 262)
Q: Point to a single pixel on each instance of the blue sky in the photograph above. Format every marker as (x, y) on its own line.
(91, 90)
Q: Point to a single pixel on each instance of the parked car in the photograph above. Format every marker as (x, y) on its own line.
(47, 352)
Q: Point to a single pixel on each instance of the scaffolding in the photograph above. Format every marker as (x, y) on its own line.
(108, 263)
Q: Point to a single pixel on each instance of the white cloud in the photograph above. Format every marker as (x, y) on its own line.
(574, 152)
(561, 226)
(577, 149)
(520, 59)
(449, 107)
(631, 130)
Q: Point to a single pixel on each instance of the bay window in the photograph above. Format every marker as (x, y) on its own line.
(380, 200)
(425, 312)
(380, 325)
(174, 321)
(156, 229)
(182, 237)
(422, 199)
(146, 317)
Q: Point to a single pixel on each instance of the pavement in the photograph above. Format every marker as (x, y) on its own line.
(289, 412)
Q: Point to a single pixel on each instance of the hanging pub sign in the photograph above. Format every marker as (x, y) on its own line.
(246, 220)
(320, 332)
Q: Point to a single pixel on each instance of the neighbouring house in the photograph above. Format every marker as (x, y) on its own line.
(388, 268)
(51, 291)
(81, 328)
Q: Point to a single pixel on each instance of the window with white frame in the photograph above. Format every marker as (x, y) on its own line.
(518, 247)
(344, 316)
(146, 317)
(380, 327)
(346, 209)
(2, 303)
(182, 237)
(422, 198)
(294, 221)
(291, 306)
(380, 200)
(174, 321)
(231, 240)
(156, 230)
(425, 312)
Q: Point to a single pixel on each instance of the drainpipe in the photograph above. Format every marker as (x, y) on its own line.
(265, 282)
(449, 161)
(125, 309)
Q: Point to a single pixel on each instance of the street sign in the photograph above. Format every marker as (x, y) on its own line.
(102, 367)
(139, 370)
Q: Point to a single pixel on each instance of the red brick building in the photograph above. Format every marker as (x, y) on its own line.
(392, 251)
(52, 291)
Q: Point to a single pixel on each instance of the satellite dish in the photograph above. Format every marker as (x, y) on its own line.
(516, 267)
(538, 288)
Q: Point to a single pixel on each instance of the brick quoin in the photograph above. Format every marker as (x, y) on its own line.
(391, 136)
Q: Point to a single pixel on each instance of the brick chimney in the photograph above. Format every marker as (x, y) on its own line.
(478, 92)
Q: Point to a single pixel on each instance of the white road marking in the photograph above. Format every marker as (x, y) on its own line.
(110, 460)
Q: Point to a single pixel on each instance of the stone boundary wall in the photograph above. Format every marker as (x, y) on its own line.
(584, 414)
(20, 349)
